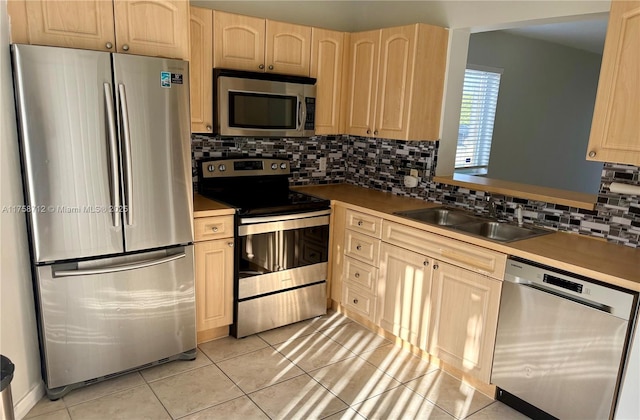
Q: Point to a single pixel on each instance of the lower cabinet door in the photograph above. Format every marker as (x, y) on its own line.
(214, 283)
(465, 319)
(404, 287)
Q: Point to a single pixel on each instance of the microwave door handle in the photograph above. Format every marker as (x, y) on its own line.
(300, 113)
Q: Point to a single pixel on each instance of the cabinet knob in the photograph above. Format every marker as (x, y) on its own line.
(271, 67)
(359, 247)
(261, 66)
(426, 263)
(592, 154)
(435, 266)
(209, 128)
(215, 228)
(368, 131)
(375, 133)
(125, 47)
(356, 275)
(359, 222)
(108, 45)
(230, 244)
(355, 301)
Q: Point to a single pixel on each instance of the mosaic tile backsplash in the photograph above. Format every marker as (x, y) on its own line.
(381, 164)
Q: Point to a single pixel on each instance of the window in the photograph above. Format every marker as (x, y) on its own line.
(478, 111)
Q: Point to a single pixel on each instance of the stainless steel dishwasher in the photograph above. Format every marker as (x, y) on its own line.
(561, 343)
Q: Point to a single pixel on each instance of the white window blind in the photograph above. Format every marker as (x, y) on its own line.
(477, 114)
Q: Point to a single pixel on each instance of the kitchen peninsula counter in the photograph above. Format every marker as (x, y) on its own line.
(607, 262)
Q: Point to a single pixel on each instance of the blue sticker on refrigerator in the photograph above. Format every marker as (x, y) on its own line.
(165, 79)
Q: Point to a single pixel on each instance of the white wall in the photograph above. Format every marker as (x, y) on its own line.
(18, 336)
(544, 112)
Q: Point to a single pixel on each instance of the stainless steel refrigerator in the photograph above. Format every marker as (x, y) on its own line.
(107, 178)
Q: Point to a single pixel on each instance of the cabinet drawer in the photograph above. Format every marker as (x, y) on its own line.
(471, 257)
(364, 223)
(361, 275)
(358, 301)
(218, 227)
(361, 247)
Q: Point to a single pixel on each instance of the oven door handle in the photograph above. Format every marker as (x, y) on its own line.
(268, 219)
(279, 226)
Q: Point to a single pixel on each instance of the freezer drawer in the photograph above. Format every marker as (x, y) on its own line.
(118, 318)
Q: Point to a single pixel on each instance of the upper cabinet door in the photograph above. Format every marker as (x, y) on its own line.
(74, 24)
(238, 42)
(288, 48)
(397, 55)
(362, 82)
(327, 58)
(615, 131)
(155, 28)
(200, 70)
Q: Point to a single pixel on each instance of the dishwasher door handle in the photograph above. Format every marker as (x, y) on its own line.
(586, 302)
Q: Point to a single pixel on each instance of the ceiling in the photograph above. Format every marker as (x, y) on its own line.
(585, 35)
(362, 15)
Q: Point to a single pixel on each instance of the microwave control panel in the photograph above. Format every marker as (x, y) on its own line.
(310, 120)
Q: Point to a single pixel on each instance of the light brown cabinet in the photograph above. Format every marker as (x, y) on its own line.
(439, 294)
(361, 258)
(615, 130)
(404, 299)
(214, 276)
(200, 70)
(254, 44)
(396, 79)
(74, 24)
(464, 319)
(328, 50)
(363, 79)
(158, 28)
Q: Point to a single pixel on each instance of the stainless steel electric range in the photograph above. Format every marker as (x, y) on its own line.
(282, 239)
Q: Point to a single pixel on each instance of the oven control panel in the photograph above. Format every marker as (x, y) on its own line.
(244, 167)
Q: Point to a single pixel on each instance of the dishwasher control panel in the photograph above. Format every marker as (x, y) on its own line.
(565, 284)
(613, 300)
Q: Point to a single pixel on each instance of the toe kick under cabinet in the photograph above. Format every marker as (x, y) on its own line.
(439, 294)
(214, 276)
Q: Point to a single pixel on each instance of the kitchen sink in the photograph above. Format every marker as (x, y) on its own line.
(465, 222)
(439, 216)
(500, 231)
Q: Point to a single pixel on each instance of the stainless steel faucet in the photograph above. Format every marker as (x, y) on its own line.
(518, 213)
(493, 210)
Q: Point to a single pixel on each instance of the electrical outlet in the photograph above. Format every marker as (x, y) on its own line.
(322, 164)
(413, 172)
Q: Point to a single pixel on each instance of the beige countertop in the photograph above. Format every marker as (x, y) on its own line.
(204, 207)
(610, 263)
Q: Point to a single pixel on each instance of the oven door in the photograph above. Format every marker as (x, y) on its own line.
(252, 107)
(282, 252)
(282, 271)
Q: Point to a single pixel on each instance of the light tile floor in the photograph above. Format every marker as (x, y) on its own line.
(327, 367)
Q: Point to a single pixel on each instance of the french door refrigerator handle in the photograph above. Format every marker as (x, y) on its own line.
(117, 268)
(127, 154)
(113, 158)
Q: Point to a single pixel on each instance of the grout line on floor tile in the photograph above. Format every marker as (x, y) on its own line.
(160, 401)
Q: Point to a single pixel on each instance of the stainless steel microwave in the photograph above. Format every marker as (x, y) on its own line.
(263, 104)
